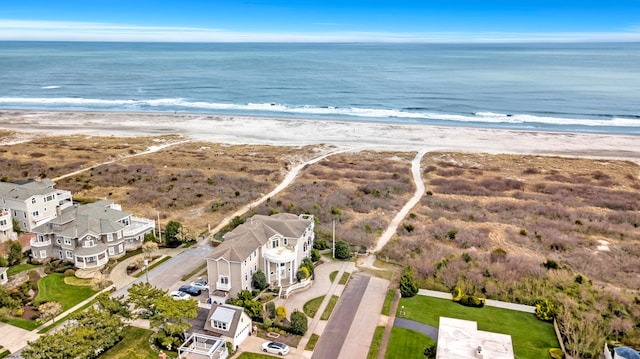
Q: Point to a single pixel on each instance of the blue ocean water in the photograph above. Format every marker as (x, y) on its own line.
(562, 87)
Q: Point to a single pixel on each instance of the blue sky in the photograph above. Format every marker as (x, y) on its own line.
(249, 20)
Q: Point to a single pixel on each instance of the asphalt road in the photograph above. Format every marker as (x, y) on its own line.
(333, 338)
(168, 275)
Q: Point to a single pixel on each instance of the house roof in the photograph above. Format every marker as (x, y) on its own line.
(80, 220)
(229, 314)
(460, 339)
(24, 191)
(247, 237)
(3, 269)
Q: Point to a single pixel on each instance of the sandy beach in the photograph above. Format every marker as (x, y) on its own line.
(344, 134)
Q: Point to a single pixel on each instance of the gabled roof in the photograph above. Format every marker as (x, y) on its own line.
(253, 234)
(225, 313)
(80, 220)
(26, 190)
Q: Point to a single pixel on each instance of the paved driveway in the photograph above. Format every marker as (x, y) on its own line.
(431, 332)
(350, 330)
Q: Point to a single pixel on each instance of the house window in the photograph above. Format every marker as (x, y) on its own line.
(43, 253)
(49, 198)
(245, 262)
(3, 222)
(60, 255)
(33, 200)
(245, 277)
(112, 251)
(219, 325)
(275, 243)
(223, 280)
(58, 241)
(89, 243)
(67, 241)
(120, 248)
(35, 213)
(69, 254)
(119, 234)
(286, 241)
(109, 237)
(91, 259)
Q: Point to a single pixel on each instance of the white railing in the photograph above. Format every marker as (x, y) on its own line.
(302, 284)
(223, 286)
(98, 263)
(280, 255)
(36, 243)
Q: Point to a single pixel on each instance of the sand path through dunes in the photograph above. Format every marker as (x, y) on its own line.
(286, 182)
(417, 195)
(149, 150)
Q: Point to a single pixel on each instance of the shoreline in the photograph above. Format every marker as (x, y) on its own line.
(361, 134)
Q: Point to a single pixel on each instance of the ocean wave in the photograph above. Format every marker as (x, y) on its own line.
(50, 87)
(414, 115)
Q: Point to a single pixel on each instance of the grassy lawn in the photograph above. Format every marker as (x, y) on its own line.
(311, 307)
(406, 344)
(375, 343)
(313, 340)
(246, 355)
(332, 275)
(388, 300)
(344, 278)
(329, 309)
(53, 289)
(531, 337)
(134, 338)
(20, 268)
(22, 323)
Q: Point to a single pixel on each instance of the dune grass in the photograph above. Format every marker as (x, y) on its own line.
(531, 337)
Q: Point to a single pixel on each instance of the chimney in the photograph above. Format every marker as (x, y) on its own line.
(58, 211)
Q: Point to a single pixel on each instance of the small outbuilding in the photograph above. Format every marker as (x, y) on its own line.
(229, 322)
(461, 339)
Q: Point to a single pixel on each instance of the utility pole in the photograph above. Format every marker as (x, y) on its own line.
(146, 269)
(159, 229)
(334, 239)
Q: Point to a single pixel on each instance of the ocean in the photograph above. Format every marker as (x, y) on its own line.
(586, 87)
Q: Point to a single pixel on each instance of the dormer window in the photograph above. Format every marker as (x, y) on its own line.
(109, 237)
(33, 200)
(275, 243)
(89, 243)
(219, 325)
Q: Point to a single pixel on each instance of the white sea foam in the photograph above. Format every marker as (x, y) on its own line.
(182, 104)
(50, 87)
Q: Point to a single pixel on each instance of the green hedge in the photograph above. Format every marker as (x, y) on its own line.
(467, 300)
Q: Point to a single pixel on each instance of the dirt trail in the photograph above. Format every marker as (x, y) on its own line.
(286, 182)
(149, 150)
(417, 179)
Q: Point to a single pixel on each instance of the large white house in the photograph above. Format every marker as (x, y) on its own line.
(274, 244)
(33, 203)
(88, 235)
(6, 226)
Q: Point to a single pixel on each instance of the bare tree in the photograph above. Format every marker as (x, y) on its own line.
(149, 248)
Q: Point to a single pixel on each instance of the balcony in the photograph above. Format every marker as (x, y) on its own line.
(35, 243)
(223, 286)
(84, 264)
(138, 226)
(280, 255)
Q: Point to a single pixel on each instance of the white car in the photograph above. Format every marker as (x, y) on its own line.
(179, 295)
(275, 348)
(200, 284)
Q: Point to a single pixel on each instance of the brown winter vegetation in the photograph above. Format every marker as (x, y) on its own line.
(528, 228)
(195, 183)
(361, 191)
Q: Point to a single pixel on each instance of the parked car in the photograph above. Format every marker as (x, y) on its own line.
(275, 348)
(179, 295)
(200, 284)
(190, 290)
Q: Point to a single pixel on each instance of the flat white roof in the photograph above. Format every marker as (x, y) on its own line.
(461, 339)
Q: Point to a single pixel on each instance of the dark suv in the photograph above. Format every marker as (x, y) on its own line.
(190, 290)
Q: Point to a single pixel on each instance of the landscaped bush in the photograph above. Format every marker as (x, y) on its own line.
(408, 285)
(298, 323)
(556, 353)
(546, 311)
(69, 273)
(467, 300)
(343, 250)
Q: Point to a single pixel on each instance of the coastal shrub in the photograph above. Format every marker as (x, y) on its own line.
(315, 255)
(556, 353)
(343, 250)
(546, 310)
(302, 273)
(430, 351)
(270, 310)
(320, 244)
(459, 297)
